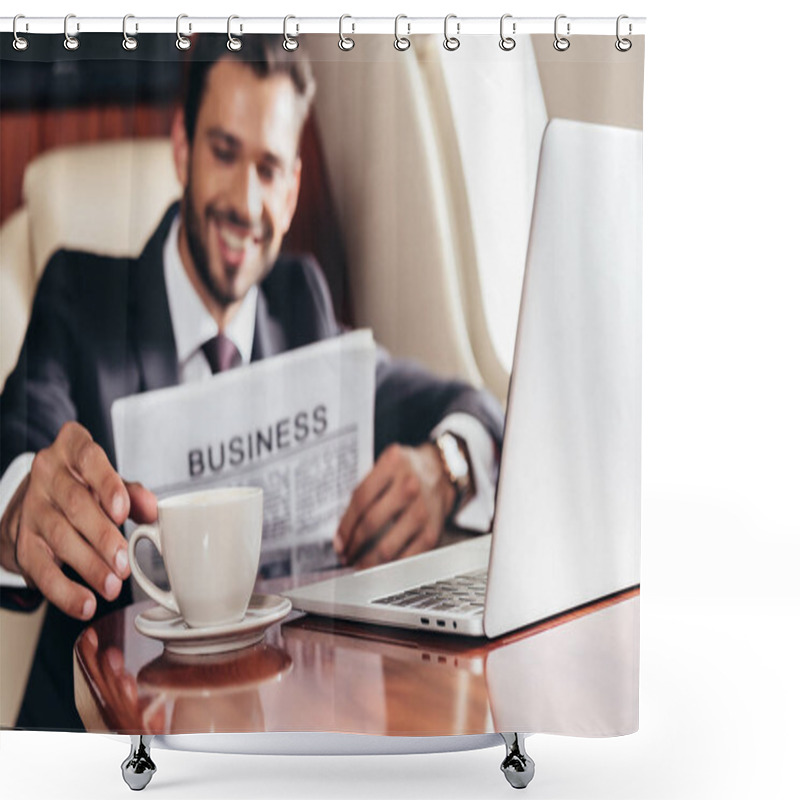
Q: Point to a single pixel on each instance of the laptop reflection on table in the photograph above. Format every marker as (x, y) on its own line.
(458, 685)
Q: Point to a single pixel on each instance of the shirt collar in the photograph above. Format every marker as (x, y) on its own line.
(192, 324)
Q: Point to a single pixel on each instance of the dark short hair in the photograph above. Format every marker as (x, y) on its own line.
(262, 53)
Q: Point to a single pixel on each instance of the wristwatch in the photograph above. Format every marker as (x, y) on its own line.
(457, 467)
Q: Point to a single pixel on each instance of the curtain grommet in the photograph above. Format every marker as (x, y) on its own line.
(129, 42)
(623, 45)
(20, 43)
(401, 43)
(561, 43)
(451, 43)
(290, 43)
(71, 42)
(346, 43)
(234, 43)
(182, 42)
(507, 43)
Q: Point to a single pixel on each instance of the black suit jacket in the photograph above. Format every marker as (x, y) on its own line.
(100, 329)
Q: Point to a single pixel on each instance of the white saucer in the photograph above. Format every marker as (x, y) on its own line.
(168, 627)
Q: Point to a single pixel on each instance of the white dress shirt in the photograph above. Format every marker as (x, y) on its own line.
(193, 326)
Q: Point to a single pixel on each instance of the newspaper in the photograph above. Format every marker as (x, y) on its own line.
(300, 425)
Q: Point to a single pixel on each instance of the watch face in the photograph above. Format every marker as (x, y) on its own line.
(456, 463)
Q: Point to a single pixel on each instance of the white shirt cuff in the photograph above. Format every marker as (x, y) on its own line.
(477, 514)
(17, 471)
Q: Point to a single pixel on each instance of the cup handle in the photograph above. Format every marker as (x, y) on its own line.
(161, 597)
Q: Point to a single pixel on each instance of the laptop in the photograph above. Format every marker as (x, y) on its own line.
(567, 512)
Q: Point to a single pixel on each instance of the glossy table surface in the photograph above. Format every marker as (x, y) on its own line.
(577, 672)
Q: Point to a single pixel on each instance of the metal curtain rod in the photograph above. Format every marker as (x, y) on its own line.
(462, 26)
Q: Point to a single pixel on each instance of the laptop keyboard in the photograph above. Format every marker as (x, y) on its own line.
(463, 594)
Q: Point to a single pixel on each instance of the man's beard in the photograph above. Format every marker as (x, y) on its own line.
(199, 252)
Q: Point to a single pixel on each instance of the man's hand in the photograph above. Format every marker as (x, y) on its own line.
(398, 510)
(67, 511)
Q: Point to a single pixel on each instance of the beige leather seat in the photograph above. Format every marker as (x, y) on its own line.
(106, 198)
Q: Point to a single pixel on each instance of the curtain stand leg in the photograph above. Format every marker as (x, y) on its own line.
(138, 768)
(517, 766)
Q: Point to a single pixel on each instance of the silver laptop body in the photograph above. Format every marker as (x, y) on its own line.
(567, 513)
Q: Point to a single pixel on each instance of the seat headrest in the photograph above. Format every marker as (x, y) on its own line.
(104, 197)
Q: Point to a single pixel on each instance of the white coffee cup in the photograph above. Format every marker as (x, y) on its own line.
(210, 541)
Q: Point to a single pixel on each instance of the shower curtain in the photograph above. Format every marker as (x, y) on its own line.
(399, 234)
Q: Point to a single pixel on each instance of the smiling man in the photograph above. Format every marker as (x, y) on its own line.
(210, 291)
(239, 164)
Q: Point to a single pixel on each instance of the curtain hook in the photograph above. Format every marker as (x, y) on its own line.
(129, 42)
(234, 44)
(345, 42)
(20, 42)
(290, 43)
(451, 42)
(623, 45)
(182, 43)
(507, 42)
(71, 42)
(401, 42)
(561, 43)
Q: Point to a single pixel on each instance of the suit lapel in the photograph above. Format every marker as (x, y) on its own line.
(268, 337)
(151, 327)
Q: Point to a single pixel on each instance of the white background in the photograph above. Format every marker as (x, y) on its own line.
(721, 530)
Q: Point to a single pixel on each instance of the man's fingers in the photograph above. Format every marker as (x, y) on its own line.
(74, 600)
(82, 512)
(71, 548)
(401, 493)
(144, 504)
(90, 463)
(69, 514)
(373, 485)
(425, 539)
(115, 661)
(398, 538)
(92, 640)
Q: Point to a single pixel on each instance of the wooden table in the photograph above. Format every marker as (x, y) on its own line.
(313, 674)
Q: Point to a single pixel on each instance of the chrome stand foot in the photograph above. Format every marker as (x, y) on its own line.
(138, 768)
(517, 766)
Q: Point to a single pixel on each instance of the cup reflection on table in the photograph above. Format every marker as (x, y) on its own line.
(209, 693)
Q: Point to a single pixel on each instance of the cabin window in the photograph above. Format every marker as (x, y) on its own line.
(498, 117)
